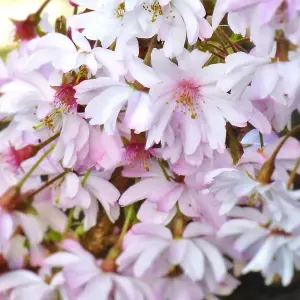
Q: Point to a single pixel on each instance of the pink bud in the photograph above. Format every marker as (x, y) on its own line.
(25, 30)
(73, 4)
(14, 157)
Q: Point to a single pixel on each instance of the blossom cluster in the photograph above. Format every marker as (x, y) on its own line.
(147, 150)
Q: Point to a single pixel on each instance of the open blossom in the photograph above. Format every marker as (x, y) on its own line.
(255, 156)
(63, 54)
(84, 278)
(263, 17)
(189, 90)
(144, 156)
(162, 194)
(173, 146)
(23, 284)
(267, 112)
(72, 194)
(94, 94)
(270, 246)
(151, 249)
(173, 22)
(234, 188)
(182, 287)
(267, 77)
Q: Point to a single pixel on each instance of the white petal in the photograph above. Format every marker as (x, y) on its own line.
(193, 264)
(139, 191)
(80, 41)
(148, 257)
(142, 73)
(233, 227)
(17, 278)
(214, 257)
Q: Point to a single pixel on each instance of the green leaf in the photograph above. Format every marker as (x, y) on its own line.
(53, 236)
(79, 231)
(236, 37)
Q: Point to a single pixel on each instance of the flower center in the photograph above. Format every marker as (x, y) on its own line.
(120, 10)
(154, 9)
(65, 97)
(187, 97)
(136, 155)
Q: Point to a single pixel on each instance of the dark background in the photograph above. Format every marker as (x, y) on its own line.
(252, 288)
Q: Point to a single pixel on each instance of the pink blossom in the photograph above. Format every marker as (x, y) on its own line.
(100, 112)
(173, 21)
(22, 284)
(162, 193)
(181, 287)
(189, 90)
(263, 17)
(82, 274)
(62, 53)
(151, 249)
(254, 156)
(72, 194)
(269, 246)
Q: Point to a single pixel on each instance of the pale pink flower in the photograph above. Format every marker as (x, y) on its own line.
(173, 146)
(94, 93)
(85, 198)
(262, 17)
(151, 250)
(22, 284)
(189, 90)
(267, 111)
(63, 54)
(269, 246)
(162, 193)
(29, 92)
(106, 22)
(182, 287)
(173, 21)
(82, 275)
(267, 78)
(255, 156)
(72, 145)
(234, 188)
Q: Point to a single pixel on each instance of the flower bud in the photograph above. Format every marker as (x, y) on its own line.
(11, 198)
(25, 30)
(73, 4)
(15, 157)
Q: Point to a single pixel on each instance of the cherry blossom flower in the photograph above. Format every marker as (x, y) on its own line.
(132, 101)
(270, 246)
(82, 274)
(173, 21)
(21, 284)
(162, 193)
(189, 89)
(263, 17)
(268, 78)
(181, 286)
(254, 155)
(63, 54)
(151, 249)
(94, 93)
(233, 188)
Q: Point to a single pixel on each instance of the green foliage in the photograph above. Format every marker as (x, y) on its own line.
(53, 236)
(5, 50)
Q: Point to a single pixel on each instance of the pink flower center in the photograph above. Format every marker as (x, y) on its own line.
(14, 158)
(187, 97)
(136, 155)
(65, 97)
